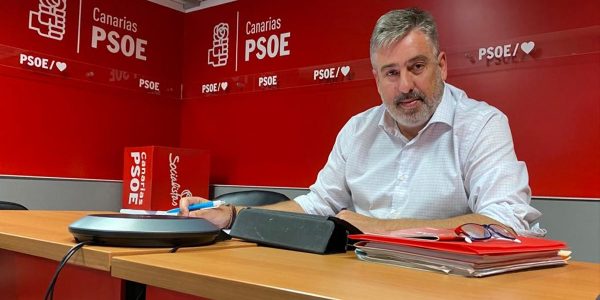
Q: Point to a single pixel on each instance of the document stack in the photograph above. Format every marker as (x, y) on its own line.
(431, 251)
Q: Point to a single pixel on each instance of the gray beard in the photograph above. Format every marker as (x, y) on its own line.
(418, 117)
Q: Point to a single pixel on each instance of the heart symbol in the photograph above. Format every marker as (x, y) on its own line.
(224, 85)
(61, 66)
(345, 70)
(527, 47)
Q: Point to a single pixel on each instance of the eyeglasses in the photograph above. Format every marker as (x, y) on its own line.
(480, 232)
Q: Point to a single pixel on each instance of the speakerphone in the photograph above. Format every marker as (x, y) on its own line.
(144, 230)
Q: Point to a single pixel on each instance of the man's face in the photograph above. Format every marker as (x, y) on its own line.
(410, 79)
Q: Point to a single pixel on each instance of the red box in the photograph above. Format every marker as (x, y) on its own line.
(156, 178)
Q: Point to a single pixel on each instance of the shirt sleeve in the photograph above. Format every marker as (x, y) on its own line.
(497, 183)
(330, 193)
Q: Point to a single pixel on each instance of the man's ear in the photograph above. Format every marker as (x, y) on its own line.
(442, 64)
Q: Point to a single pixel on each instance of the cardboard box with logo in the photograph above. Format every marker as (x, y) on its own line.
(156, 178)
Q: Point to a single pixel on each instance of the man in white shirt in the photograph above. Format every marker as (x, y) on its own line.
(428, 156)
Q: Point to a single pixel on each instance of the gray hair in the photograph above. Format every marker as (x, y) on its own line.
(396, 24)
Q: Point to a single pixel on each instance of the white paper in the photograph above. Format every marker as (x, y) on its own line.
(146, 212)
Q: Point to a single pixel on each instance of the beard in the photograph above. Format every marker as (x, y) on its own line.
(420, 114)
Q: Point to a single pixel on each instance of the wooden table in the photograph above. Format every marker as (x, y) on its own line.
(267, 273)
(31, 243)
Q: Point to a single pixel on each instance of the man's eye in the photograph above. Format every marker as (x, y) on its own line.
(418, 67)
(392, 73)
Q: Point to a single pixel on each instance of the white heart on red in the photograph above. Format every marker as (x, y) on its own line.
(527, 47)
(345, 70)
(61, 66)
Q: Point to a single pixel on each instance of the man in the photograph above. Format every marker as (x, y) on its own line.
(428, 156)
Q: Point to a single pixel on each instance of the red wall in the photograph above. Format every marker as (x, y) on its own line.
(282, 135)
(75, 122)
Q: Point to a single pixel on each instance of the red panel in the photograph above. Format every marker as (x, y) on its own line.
(159, 26)
(27, 277)
(156, 293)
(282, 137)
(8, 278)
(76, 123)
(60, 129)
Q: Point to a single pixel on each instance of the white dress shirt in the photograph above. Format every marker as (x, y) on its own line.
(463, 161)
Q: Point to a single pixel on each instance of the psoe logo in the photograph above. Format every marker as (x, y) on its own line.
(505, 51)
(219, 53)
(49, 20)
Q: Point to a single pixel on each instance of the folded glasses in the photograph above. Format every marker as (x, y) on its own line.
(479, 232)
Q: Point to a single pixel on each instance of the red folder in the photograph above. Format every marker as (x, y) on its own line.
(487, 247)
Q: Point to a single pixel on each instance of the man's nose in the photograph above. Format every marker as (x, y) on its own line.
(406, 83)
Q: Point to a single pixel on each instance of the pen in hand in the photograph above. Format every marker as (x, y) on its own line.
(200, 205)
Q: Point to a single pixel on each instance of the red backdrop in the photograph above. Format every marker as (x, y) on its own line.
(75, 122)
(282, 135)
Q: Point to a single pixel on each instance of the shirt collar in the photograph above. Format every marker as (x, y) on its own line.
(388, 124)
(445, 110)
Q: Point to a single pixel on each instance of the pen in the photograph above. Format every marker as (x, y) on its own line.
(200, 205)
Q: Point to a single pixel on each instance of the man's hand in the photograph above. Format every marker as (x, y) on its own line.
(220, 216)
